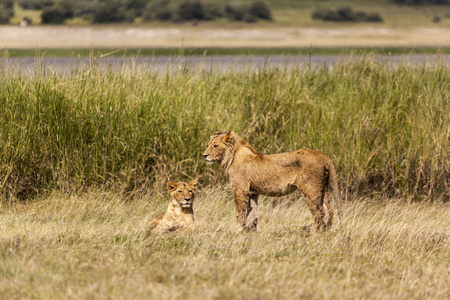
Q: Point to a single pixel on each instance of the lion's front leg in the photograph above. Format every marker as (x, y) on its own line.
(246, 209)
(252, 213)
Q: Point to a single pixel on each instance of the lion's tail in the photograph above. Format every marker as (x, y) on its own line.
(335, 187)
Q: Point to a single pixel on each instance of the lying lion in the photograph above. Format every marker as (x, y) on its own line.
(180, 214)
(251, 173)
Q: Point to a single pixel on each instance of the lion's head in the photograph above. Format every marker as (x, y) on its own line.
(219, 147)
(182, 193)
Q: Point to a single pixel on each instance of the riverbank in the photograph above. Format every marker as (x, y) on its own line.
(248, 36)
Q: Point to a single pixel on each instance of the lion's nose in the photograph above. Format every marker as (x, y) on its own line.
(205, 155)
(187, 199)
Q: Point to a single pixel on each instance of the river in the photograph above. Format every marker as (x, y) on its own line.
(163, 64)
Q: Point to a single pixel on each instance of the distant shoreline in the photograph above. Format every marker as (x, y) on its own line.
(203, 40)
(268, 51)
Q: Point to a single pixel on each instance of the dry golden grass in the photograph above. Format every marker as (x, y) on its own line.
(90, 246)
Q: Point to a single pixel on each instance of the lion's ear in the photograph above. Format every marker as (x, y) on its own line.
(229, 137)
(171, 185)
(193, 183)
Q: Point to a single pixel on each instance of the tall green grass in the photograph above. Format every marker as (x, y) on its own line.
(386, 127)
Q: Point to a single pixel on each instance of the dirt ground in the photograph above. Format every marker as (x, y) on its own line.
(188, 35)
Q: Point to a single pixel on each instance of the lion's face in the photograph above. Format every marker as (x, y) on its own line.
(218, 147)
(182, 193)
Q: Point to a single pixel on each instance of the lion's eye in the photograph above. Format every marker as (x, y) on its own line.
(215, 146)
(190, 191)
(179, 191)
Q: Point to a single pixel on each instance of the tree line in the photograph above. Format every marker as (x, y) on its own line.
(126, 11)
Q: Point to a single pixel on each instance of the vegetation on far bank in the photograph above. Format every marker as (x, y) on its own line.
(249, 11)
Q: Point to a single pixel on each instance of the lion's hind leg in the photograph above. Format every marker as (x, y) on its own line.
(326, 201)
(315, 200)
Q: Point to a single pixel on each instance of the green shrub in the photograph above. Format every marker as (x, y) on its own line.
(260, 11)
(84, 8)
(233, 13)
(436, 19)
(212, 11)
(345, 14)
(136, 6)
(250, 14)
(111, 12)
(373, 17)
(188, 10)
(36, 4)
(6, 11)
(53, 15)
(158, 10)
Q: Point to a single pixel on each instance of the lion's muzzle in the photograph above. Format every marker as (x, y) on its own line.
(208, 161)
(187, 203)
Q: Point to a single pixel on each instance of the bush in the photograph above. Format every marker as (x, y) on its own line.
(164, 15)
(53, 15)
(374, 17)
(259, 10)
(84, 8)
(136, 6)
(233, 13)
(345, 14)
(157, 11)
(248, 18)
(4, 17)
(36, 4)
(6, 11)
(250, 14)
(191, 11)
(212, 11)
(436, 19)
(7, 4)
(67, 7)
(111, 12)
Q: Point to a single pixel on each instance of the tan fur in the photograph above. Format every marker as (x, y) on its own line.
(180, 214)
(251, 173)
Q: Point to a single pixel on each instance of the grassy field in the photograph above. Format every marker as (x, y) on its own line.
(90, 245)
(84, 158)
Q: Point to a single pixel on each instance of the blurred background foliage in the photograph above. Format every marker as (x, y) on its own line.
(128, 11)
(250, 11)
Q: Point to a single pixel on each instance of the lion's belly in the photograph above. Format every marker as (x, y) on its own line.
(272, 187)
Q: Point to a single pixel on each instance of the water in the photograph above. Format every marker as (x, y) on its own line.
(30, 66)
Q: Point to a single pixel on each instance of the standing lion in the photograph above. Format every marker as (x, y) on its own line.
(251, 173)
